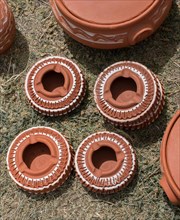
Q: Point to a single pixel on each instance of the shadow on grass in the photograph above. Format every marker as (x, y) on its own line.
(145, 136)
(174, 209)
(154, 52)
(15, 60)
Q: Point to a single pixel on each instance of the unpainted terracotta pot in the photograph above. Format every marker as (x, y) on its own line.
(129, 95)
(39, 160)
(170, 160)
(7, 26)
(55, 86)
(110, 24)
(105, 162)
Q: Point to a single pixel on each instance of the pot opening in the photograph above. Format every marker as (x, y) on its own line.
(123, 89)
(104, 158)
(52, 80)
(36, 156)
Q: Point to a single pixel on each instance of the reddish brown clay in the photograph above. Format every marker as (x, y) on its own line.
(110, 24)
(105, 162)
(129, 95)
(55, 86)
(39, 160)
(170, 160)
(7, 26)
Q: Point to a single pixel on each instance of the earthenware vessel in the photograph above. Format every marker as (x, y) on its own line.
(105, 162)
(7, 26)
(55, 86)
(129, 95)
(170, 160)
(110, 24)
(39, 160)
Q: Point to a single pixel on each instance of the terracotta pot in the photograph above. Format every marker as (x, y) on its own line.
(129, 95)
(170, 160)
(55, 86)
(39, 160)
(7, 26)
(105, 162)
(110, 24)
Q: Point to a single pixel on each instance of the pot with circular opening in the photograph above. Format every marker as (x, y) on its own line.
(39, 160)
(105, 162)
(170, 160)
(129, 95)
(110, 24)
(55, 86)
(7, 26)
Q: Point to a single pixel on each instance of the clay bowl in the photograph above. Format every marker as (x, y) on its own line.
(110, 24)
(7, 27)
(55, 86)
(105, 162)
(39, 160)
(170, 160)
(129, 95)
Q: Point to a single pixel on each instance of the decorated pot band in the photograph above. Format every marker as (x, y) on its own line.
(39, 160)
(105, 162)
(55, 86)
(129, 95)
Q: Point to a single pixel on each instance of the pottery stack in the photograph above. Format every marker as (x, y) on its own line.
(7, 26)
(55, 86)
(129, 95)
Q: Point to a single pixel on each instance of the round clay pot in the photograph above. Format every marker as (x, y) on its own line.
(105, 162)
(7, 26)
(129, 95)
(170, 160)
(39, 160)
(55, 86)
(110, 24)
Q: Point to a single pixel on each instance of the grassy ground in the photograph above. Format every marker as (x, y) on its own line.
(38, 36)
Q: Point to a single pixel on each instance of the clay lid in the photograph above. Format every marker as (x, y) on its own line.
(39, 159)
(55, 86)
(7, 26)
(170, 160)
(105, 162)
(129, 95)
(110, 24)
(106, 12)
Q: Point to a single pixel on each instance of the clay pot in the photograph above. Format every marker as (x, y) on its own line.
(110, 24)
(129, 95)
(39, 160)
(7, 26)
(55, 86)
(105, 162)
(170, 160)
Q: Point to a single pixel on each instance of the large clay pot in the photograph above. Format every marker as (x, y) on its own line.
(39, 160)
(105, 162)
(110, 24)
(170, 160)
(7, 26)
(129, 95)
(55, 86)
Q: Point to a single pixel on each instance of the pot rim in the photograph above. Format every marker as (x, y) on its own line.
(87, 24)
(166, 171)
(130, 75)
